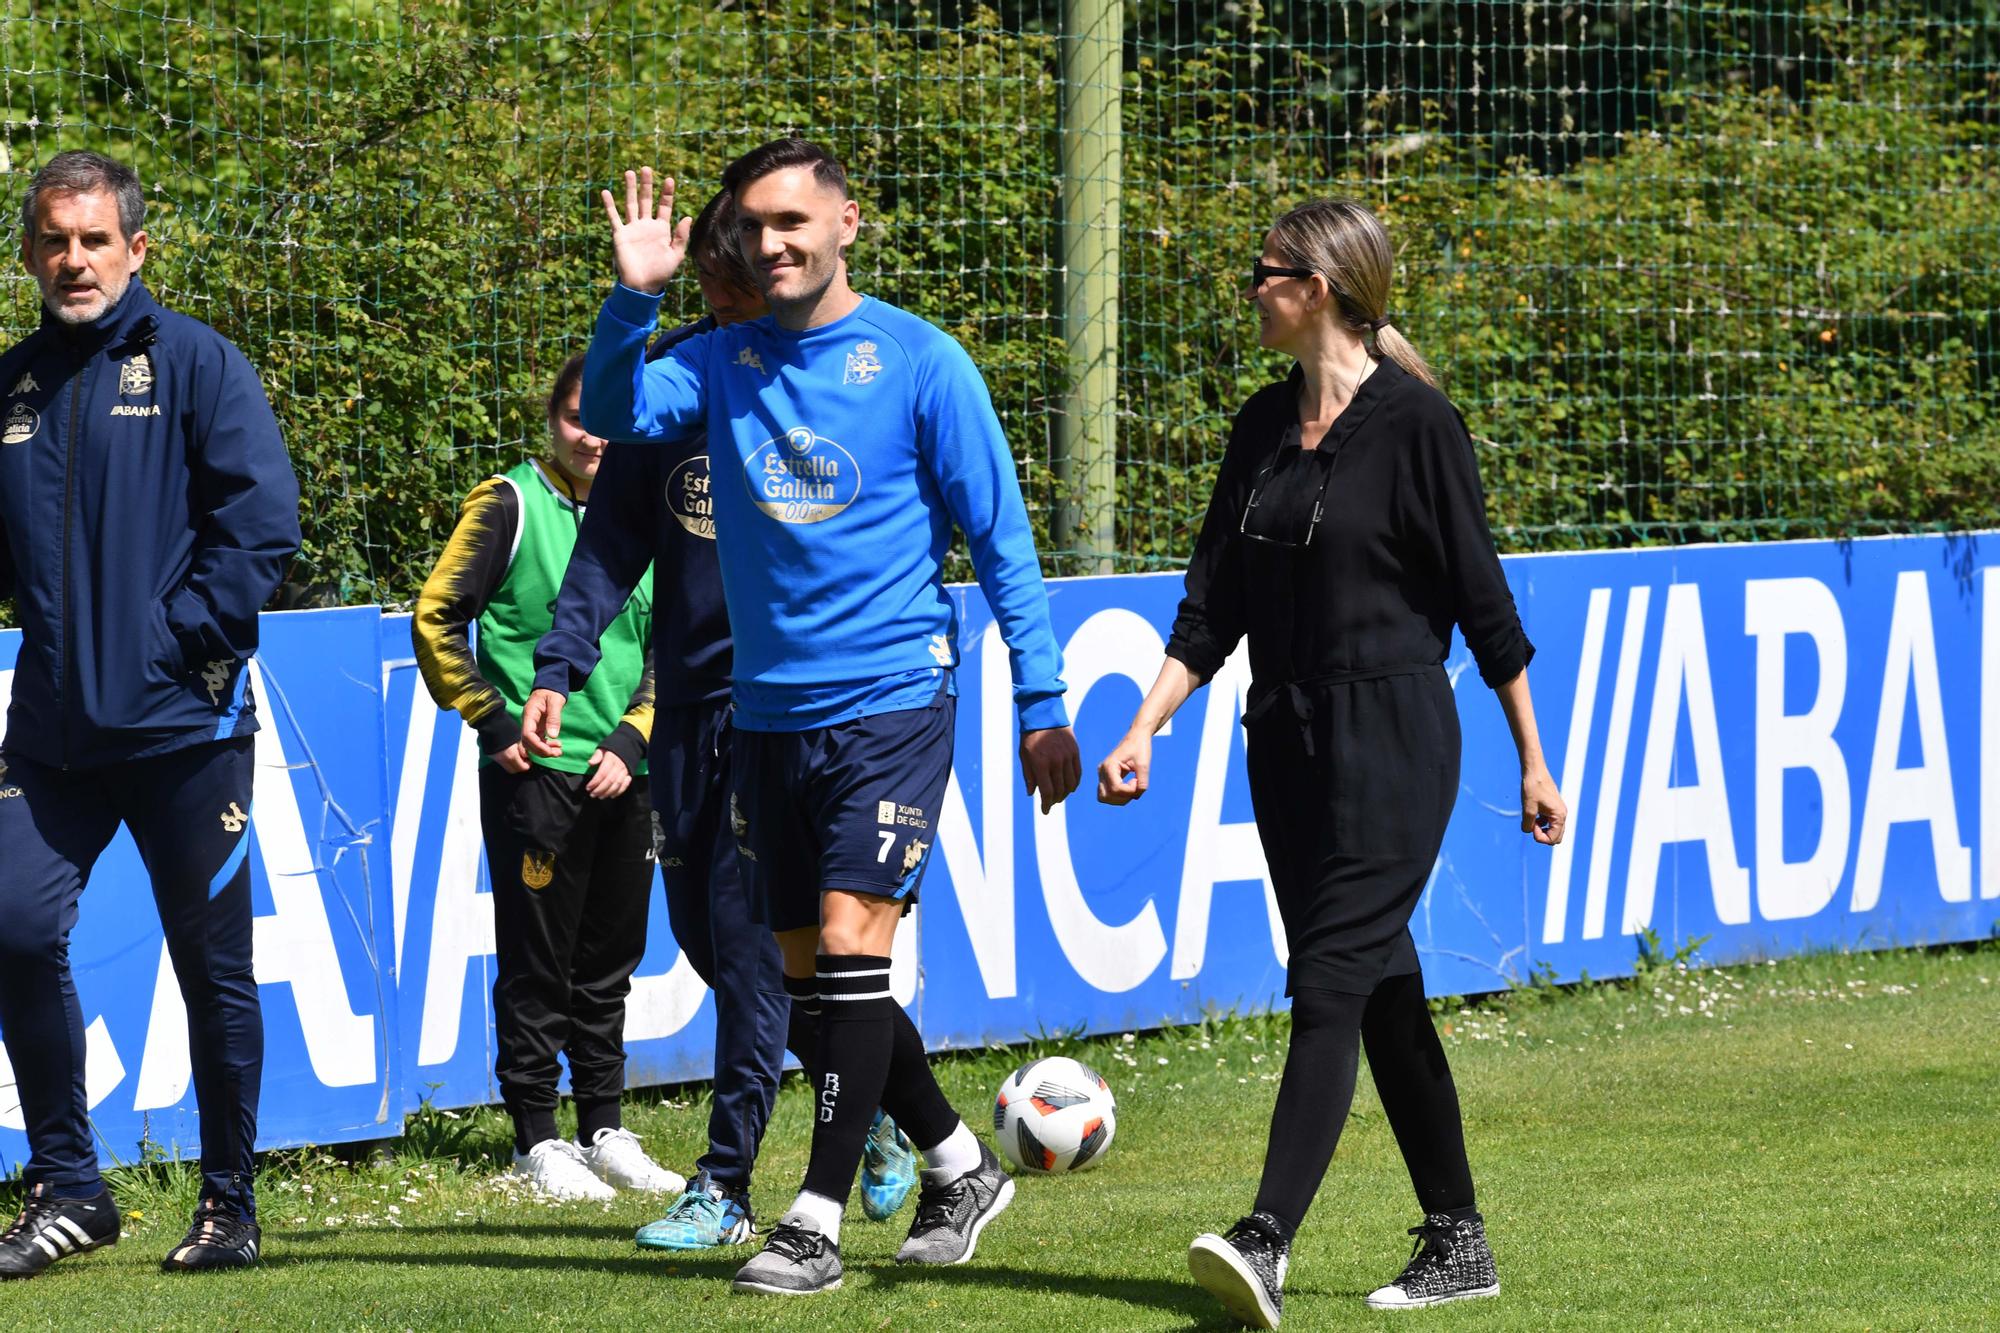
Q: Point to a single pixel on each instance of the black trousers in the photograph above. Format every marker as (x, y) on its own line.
(188, 811)
(571, 878)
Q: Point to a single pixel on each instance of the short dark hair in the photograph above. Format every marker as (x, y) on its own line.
(81, 171)
(568, 379)
(779, 154)
(712, 242)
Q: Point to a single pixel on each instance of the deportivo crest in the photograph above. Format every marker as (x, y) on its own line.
(26, 384)
(802, 477)
(688, 497)
(136, 375)
(537, 869)
(862, 365)
(748, 357)
(21, 424)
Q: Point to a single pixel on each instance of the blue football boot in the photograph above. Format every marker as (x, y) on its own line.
(705, 1217)
(888, 1169)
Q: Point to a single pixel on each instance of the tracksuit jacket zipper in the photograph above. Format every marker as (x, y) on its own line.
(69, 504)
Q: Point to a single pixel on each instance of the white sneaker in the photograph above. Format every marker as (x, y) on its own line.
(556, 1168)
(615, 1157)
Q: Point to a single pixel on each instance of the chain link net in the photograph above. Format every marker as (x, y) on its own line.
(1692, 271)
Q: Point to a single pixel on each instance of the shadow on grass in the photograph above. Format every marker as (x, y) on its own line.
(1177, 1298)
(608, 1231)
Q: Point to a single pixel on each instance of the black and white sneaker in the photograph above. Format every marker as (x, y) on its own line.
(221, 1237)
(49, 1229)
(1450, 1262)
(1245, 1269)
(951, 1214)
(798, 1259)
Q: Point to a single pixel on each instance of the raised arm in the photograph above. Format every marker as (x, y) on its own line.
(624, 397)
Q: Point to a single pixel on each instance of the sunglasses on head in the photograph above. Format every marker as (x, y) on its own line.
(1260, 273)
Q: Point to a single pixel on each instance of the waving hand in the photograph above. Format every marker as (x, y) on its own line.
(646, 242)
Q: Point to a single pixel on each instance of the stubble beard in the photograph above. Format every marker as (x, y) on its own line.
(76, 316)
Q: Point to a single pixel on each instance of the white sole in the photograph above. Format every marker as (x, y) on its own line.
(1216, 1266)
(762, 1289)
(1474, 1294)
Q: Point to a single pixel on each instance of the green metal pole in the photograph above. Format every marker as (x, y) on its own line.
(1092, 168)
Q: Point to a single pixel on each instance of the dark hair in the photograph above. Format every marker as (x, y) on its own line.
(80, 171)
(712, 242)
(779, 154)
(568, 379)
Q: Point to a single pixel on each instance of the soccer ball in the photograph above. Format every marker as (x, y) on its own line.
(1054, 1115)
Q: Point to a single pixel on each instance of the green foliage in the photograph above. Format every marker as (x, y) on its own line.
(1690, 273)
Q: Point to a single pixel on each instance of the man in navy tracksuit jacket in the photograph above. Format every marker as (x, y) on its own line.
(147, 510)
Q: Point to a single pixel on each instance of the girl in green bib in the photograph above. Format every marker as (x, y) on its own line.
(568, 839)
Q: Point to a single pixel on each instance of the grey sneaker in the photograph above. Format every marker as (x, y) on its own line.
(951, 1214)
(1245, 1269)
(797, 1260)
(1450, 1262)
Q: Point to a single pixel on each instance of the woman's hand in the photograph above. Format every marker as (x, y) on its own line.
(1543, 812)
(1123, 776)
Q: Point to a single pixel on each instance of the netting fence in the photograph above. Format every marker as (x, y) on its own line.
(1693, 271)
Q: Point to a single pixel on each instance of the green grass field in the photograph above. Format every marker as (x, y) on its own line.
(1807, 1144)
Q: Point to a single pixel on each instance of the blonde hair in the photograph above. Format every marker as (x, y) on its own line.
(1347, 245)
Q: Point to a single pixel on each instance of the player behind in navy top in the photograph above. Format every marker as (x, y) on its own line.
(845, 439)
(653, 505)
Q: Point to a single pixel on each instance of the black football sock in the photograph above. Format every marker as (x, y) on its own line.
(912, 1096)
(593, 1116)
(1418, 1095)
(857, 1039)
(532, 1125)
(1313, 1101)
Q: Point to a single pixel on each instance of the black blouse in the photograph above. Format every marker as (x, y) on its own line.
(1400, 551)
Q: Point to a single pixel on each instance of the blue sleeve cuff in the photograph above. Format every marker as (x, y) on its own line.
(1043, 713)
(556, 676)
(639, 309)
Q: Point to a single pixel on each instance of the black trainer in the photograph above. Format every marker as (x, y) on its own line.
(221, 1237)
(951, 1214)
(1245, 1268)
(1450, 1262)
(49, 1229)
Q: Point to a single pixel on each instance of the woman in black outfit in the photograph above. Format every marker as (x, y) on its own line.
(1346, 536)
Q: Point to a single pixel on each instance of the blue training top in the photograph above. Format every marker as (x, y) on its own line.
(839, 457)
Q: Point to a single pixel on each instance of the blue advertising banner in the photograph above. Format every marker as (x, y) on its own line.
(1771, 748)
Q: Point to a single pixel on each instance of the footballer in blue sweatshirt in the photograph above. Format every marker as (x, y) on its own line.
(845, 438)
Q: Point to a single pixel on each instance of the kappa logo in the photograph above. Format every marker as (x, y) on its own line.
(21, 424)
(233, 819)
(538, 869)
(913, 855)
(26, 384)
(737, 823)
(941, 649)
(136, 375)
(862, 365)
(215, 677)
(748, 357)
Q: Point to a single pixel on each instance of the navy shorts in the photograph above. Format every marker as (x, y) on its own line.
(852, 806)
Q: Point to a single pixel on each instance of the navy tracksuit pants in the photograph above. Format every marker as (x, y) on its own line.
(708, 906)
(188, 811)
